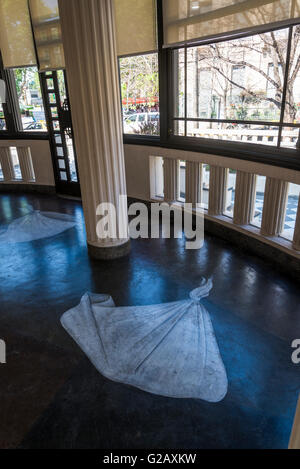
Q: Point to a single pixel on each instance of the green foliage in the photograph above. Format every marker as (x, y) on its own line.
(26, 79)
(139, 76)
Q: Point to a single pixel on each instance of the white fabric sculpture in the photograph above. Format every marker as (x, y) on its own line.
(167, 349)
(36, 225)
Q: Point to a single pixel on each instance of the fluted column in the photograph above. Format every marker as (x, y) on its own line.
(217, 185)
(6, 164)
(296, 239)
(245, 189)
(26, 166)
(276, 192)
(192, 182)
(171, 173)
(88, 33)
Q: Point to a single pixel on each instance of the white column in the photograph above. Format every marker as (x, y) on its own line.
(276, 192)
(296, 240)
(92, 71)
(171, 173)
(6, 164)
(217, 185)
(26, 166)
(192, 182)
(245, 189)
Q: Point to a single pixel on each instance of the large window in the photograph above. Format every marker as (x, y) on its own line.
(239, 90)
(30, 102)
(140, 94)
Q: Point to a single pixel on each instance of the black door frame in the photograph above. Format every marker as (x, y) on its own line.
(57, 136)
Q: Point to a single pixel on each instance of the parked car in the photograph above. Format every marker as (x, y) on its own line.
(36, 126)
(133, 123)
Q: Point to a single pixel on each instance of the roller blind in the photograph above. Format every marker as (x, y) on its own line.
(47, 34)
(189, 20)
(135, 26)
(16, 42)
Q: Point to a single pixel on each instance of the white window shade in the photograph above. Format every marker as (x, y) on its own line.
(189, 20)
(47, 34)
(135, 26)
(16, 42)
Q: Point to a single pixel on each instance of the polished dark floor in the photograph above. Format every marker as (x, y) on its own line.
(52, 397)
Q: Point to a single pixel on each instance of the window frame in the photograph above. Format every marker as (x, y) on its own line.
(135, 138)
(280, 123)
(260, 153)
(11, 111)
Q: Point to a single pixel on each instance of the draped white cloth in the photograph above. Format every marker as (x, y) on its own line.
(167, 349)
(35, 225)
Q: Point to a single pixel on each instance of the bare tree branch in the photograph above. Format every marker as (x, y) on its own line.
(251, 93)
(277, 48)
(256, 69)
(295, 71)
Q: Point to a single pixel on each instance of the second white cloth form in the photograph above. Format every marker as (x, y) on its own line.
(167, 349)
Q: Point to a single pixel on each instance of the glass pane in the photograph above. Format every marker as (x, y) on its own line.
(241, 79)
(50, 83)
(71, 158)
(230, 193)
(62, 164)
(261, 134)
(60, 151)
(30, 99)
(140, 94)
(179, 88)
(179, 128)
(52, 98)
(182, 181)
(259, 201)
(290, 137)
(1, 173)
(205, 185)
(54, 112)
(292, 106)
(61, 86)
(15, 163)
(2, 119)
(56, 125)
(58, 138)
(63, 176)
(291, 211)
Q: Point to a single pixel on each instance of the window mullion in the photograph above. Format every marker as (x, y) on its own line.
(164, 91)
(285, 84)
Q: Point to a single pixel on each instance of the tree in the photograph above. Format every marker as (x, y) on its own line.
(26, 78)
(139, 77)
(271, 49)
